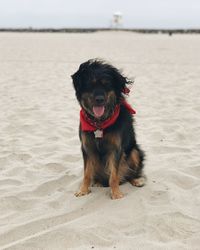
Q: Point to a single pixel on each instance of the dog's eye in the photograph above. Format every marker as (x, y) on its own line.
(87, 86)
(107, 84)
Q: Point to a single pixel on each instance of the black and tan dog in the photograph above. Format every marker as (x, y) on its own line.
(110, 151)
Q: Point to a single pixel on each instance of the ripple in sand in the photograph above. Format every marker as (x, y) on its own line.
(54, 167)
(14, 203)
(10, 182)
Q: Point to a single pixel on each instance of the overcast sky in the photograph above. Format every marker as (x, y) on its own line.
(98, 13)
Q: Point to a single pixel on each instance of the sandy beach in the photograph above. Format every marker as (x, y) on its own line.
(40, 158)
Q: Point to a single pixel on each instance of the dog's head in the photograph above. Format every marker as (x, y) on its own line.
(99, 88)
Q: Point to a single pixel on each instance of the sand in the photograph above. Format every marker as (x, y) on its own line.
(40, 159)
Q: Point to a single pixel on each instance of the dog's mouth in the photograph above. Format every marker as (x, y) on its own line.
(98, 111)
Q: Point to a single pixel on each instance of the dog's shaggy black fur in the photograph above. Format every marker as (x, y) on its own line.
(116, 157)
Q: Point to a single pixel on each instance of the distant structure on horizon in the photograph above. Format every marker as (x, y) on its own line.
(117, 21)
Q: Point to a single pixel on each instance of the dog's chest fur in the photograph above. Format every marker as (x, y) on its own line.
(100, 145)
(99, 148)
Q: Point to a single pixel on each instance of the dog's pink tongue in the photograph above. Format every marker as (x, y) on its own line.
(98, 111)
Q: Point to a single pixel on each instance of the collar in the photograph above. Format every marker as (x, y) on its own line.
(94, 126)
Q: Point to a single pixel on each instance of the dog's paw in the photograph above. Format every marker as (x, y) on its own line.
(82, 192)
(117, 195)
(138, 182)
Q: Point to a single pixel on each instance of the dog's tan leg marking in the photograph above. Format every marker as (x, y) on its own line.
(135, 157)
(134, 160)
(84, 189)
(114, 181)
(138, 182)
(113, 166)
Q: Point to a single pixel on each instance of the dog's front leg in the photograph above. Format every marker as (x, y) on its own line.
(88, 174)
(114, 180)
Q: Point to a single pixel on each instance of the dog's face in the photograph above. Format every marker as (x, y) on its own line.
(98, 87)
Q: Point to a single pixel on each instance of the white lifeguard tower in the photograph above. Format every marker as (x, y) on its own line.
(117, 20)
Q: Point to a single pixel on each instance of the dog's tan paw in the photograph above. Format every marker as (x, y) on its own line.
(139, 182)
(117, 195)
(82, 192)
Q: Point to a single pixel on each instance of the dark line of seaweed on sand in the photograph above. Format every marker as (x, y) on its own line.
(90, 30)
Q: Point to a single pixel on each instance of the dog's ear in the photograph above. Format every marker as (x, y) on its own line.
(78, 76)
(121, 81)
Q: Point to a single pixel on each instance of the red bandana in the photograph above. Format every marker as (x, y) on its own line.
(89, 125)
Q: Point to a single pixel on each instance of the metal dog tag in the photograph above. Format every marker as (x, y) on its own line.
(98, 133)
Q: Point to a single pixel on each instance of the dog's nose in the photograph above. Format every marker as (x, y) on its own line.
(99, 99)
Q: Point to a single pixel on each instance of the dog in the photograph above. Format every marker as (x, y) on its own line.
(111, 154)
